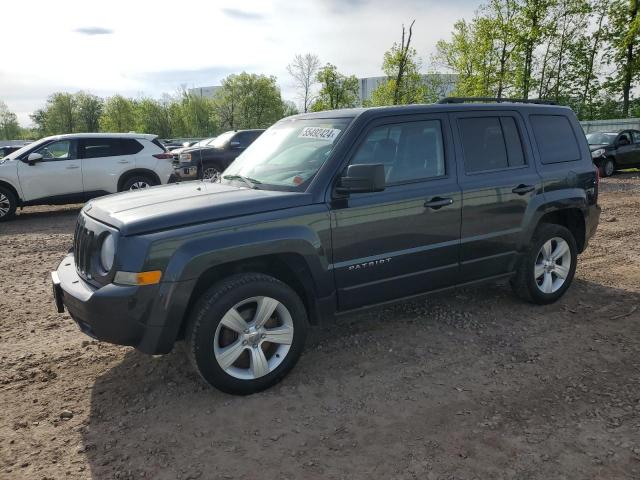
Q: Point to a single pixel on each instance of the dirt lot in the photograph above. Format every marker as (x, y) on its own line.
(471, 384)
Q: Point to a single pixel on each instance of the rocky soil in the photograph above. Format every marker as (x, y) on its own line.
(473, 384)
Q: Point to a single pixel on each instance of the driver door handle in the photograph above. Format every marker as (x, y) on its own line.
(523, 189)
(438, 202)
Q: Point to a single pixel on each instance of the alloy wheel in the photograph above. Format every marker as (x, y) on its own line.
(211, 173)
(253, 338)
(5, 205)
(553, 265)
(138, 185)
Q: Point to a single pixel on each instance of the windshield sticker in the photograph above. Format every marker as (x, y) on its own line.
(319, 133)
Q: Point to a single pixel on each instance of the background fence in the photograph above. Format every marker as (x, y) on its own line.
(610, 125)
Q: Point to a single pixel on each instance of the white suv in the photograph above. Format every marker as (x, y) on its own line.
(77, 167)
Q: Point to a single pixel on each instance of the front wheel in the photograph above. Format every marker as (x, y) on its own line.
(607, 167)
(547, 268)
(246, 333)
(8, 204)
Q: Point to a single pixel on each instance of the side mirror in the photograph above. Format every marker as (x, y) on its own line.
(235, 145)
(33, 158)
(364, 178)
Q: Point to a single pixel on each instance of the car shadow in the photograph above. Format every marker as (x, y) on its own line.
(154, 417)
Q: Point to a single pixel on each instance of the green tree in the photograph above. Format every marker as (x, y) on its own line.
(337, 90)
(248, 101)
(9, 126)
(622, 50)
(60, 114)
(197, 115)
(118, 115)
(89, 109)
(404, 83)
(152, 116)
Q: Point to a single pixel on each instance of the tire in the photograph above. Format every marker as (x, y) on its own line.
(226, 344)
(138, 182)
(211, 172)
(8, 204)
(607, 167)
(540, 278)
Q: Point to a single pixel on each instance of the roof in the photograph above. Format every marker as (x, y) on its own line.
(146, 136)
(425, 108)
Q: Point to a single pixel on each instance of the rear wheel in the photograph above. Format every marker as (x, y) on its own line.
(547, 268)
(8, 204)
(607, 167)
(138, 182)
(246, 333)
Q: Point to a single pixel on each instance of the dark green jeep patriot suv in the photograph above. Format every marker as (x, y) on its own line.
(328, 213)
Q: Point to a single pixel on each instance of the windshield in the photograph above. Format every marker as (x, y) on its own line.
(26, 148)
(599, 138)
(289, 153)
(221, 140)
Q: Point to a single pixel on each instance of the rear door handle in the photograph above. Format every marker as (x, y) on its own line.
(438, 202)
(72, 167)
(523, 189)
(123, 161)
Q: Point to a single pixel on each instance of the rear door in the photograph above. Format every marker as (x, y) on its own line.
(57, 177)
(405, 239)
(498, 179)
(103, 164)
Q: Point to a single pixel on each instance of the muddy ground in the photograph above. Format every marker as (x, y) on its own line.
(469, 384)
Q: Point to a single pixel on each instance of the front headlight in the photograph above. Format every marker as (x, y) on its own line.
(597, 153)
(107, 252)
(185, 157)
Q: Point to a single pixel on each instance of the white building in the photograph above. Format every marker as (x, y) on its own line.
(444, 83)
(206, 92)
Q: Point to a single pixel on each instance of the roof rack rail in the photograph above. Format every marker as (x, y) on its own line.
(538, 101)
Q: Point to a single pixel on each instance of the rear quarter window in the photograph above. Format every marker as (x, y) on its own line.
(130, 146)
(555, 138)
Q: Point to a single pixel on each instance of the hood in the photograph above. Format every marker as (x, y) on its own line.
(180, 204)
(206, 148)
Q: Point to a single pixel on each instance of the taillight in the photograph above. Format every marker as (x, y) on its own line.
(163, 156)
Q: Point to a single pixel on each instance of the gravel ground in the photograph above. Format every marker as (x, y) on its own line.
(469, 384)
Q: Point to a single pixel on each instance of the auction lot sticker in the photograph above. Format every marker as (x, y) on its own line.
(319, 133)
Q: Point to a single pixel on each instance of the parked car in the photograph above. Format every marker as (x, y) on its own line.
(7, 149)
(328, 213)
(77, 167)
(210, 160)
(177, 151)
(615, 151)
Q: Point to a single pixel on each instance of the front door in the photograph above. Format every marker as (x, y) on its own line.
(56, 178)
(627, 151)
(498, 179)
(405, 239)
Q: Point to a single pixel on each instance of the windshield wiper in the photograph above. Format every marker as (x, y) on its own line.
(251, 182)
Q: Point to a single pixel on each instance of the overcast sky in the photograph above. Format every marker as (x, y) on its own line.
(139, 48)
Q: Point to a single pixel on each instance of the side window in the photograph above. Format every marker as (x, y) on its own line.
(129, 146)
(636, 136)
(62, 150)
(490, 143)
(101, 147)
(624, 139)
(555, 138)
(409, 151)
(243, 138)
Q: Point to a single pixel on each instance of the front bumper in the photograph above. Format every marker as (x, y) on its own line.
(146, 317)
(186, 172)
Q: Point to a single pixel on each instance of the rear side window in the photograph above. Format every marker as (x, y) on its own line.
(101, 147)
(158, 143)
(555, 138)
(490, 143)
(130, 146)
